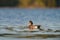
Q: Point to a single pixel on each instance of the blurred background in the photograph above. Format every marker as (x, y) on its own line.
(30, 3)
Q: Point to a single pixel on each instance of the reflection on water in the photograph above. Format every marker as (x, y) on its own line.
(7, 34)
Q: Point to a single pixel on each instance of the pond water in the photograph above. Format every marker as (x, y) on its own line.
(18, 18)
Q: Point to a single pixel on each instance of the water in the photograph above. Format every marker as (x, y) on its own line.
(18, 18)
(2, 38)
(8, 38)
